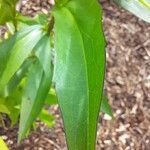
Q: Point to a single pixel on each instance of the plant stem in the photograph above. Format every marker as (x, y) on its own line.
(14, 18)
(2, 121)
(51, 25)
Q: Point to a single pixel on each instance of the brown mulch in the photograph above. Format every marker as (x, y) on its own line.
(127, 85)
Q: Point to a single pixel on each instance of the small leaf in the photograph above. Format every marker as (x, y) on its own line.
(51, 98)
(36, 88)
(46, 118)
(11, 104)
(140, 8)
(105, 107)
(10, 27)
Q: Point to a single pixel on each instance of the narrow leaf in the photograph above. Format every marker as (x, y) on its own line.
(16, 78)
(79, 70)
(6, 47)
(36, 88)
(18, 52)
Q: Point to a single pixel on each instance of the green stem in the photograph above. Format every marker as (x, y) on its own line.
(51, 25)
(14, 18)
(2, 121)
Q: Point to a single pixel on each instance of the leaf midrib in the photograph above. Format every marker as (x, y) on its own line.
(85, 62)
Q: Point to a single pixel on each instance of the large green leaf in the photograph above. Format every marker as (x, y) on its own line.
(15, 50)
(105, 107)
(140, 8)
(37, 86)
(79, 70)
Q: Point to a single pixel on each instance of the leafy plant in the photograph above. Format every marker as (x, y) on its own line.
(77, 71)
(63, 50)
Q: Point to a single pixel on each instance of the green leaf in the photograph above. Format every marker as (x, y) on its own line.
(5, 51)
(37, 87)
(140, 8)
(7, 10)
(4, 109)
(79, 70)
(46, 118)
(10, 27)
(11, 95)
(43, 53)
(28, 21)
(10, 103)
(15, 50)
(61, 2)
(7, 45)
(16, 78)
(105, 107)
(51, 98)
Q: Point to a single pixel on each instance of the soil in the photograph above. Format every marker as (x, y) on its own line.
(127, 86)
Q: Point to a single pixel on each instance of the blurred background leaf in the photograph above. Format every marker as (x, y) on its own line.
(3, 146)
(7, 10)
(140, 8)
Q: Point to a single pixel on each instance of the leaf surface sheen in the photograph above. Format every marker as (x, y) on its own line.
(18, 49)
(79, 71)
